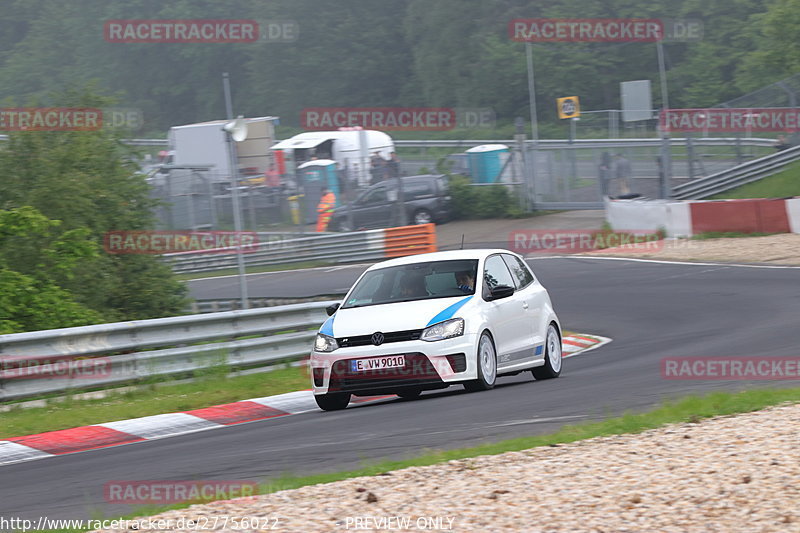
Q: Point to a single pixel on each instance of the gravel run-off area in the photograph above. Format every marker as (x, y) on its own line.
(723, 475)
(780, 249)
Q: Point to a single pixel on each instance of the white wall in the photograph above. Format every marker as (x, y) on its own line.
(793, 212)
(649, 215)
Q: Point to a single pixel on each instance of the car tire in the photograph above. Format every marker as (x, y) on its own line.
(333, 401)
(409, 394)
(552, 356)
(422, 216)
(487, 365)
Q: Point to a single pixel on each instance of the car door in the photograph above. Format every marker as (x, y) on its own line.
(532, 296)
(371, 210)
(506, 315)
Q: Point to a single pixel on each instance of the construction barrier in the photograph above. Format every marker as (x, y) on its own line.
(409, 240)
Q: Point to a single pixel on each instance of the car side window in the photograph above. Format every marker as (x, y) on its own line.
(417, 190)
(521, 272)
(375, 197)
(495, 272)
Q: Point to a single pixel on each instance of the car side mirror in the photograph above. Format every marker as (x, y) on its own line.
(501, 291)
(332, 308)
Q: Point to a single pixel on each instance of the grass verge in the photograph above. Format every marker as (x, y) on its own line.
(690, 409)
(783, 184)
(153, 399)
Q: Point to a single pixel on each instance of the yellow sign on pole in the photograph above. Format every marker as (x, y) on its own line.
(569, 107)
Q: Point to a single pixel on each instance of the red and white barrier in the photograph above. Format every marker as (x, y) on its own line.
(684, 219)
(793, 212)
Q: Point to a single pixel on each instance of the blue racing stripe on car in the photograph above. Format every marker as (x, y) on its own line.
(539, 349)
(327, 327)
(448, 312)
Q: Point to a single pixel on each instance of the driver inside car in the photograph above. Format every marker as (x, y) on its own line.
(465, 281)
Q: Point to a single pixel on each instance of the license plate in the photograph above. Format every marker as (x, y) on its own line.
(377, 363)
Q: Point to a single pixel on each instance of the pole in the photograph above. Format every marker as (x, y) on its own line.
(573, 164)
(666, 150)
(237, 215)
(519, 137)
(534, 123)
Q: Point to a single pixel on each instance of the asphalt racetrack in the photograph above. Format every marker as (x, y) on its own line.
(650, 310)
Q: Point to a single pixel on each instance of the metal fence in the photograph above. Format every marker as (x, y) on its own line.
(370, 245)
(737, 176)
(567, 175)
(194, 198)
(105, 355)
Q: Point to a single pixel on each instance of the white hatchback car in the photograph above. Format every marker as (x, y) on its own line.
(429, 321)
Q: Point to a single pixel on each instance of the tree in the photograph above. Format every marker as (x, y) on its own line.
(777, 52)
(82, 180)
(32, 299)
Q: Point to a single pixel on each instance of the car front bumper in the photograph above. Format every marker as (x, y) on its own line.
(428, 365)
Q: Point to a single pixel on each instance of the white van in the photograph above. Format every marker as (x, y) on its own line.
(351, 149)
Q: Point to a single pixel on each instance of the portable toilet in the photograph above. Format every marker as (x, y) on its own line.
(487, 161)
(314, 176)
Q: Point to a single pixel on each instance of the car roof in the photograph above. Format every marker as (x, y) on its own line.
(420, 177)
(479, 253)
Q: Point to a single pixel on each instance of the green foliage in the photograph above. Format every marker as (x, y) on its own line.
(480, 201)
(30, 299)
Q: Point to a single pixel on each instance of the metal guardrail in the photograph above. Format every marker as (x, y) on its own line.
(334, 248)
(350, 247)
(38, 362)
(229, 304)
(736, 176)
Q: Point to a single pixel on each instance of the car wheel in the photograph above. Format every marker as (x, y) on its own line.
(487, 365)
(332, 401)
(552, 356)
(423, 216)
(409, 394)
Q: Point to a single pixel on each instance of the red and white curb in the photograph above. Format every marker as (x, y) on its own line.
(574, 344)
(81, 439)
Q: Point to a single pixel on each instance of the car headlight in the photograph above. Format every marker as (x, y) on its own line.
(443, 330)
(324, 343)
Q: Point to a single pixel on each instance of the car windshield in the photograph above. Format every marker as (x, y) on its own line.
(415, 281)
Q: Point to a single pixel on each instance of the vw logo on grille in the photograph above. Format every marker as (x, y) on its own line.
(377, 338)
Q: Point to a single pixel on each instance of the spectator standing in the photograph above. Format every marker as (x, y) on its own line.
(622, 173)
(393, 166)
(273, 178)
(377, 168)
(604, 172)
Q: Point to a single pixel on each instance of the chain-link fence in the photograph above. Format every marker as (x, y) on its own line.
(197, 199)
(576, 174)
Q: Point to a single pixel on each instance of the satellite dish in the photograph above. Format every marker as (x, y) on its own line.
(237, 129)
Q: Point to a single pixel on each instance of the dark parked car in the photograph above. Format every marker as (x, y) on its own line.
(426, 199)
